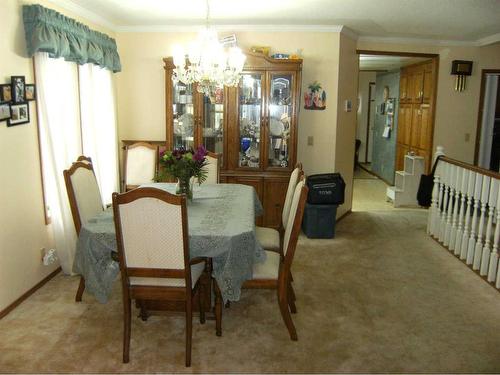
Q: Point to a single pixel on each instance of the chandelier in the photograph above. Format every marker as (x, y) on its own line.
(207, 62)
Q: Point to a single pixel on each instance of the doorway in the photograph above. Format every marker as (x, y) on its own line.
(396, 106)
(487, 152)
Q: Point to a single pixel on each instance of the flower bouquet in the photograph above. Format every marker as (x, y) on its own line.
(183, 164)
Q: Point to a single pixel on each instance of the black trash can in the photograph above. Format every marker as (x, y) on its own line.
(319, 220)
(326, 193)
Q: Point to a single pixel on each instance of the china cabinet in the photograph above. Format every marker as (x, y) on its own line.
(253, 126)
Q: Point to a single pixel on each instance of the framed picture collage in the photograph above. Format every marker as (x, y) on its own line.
(14, 101)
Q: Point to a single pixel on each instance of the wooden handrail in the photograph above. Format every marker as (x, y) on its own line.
(470, 167)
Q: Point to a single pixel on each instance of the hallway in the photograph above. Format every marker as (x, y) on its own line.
(369, 192)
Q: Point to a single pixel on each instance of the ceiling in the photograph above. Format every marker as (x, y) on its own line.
(387, 62)
(444, 20)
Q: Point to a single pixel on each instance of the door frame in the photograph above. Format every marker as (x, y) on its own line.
(484, 73)
(370, 84)
(435, 60)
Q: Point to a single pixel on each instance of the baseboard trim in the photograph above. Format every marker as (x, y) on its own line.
(25, 296)
(376, 175)
(484, 278)
(344, 215)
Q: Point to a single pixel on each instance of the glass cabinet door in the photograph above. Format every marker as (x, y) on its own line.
(249, 121)
(183, 111)
(280, 117)
(213, 122)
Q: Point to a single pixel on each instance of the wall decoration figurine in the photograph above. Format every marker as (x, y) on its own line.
(19, 114)
(5, 93)
(315, 97)
(18, 89)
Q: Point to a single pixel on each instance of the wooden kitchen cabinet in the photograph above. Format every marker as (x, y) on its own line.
(416, 111)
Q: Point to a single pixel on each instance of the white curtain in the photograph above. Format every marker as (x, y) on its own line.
(59, 124)
(98, 117)
(488, 120)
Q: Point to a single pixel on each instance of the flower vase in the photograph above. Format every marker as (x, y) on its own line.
(184, 187)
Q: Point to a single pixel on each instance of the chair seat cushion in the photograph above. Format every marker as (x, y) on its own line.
(196, 271)
(268, 238)
(269, 269)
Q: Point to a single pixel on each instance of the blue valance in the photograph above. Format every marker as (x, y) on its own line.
(49, 31)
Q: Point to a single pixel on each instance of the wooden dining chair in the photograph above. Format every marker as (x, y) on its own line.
(139, 164)
(274, 273)
(84, 200)
(85, 159)
(153, 250)
(213, 167)
(270, 238)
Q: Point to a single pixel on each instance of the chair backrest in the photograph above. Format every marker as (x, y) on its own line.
(152, 234)
(213, 168)
(83, 193)
(294, 178)
(84, 159)
(140, 163)
(293, 226)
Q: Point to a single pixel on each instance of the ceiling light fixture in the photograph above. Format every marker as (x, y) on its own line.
(207, 62)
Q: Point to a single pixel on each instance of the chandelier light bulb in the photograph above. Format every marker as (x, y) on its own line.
(208, 63)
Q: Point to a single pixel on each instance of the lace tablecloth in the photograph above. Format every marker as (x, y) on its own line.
(221, 221)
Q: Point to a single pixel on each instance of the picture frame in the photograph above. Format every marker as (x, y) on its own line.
(18, 84)
(30, 92)
(5, 93)
(19, 114)
(4, 111)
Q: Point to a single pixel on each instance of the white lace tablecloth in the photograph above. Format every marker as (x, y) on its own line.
(221, 221)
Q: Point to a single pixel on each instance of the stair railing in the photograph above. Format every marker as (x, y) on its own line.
(465, 215)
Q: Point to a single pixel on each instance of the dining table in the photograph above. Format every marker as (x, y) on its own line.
(221, 226)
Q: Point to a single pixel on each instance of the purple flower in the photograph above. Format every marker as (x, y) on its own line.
(200, 154)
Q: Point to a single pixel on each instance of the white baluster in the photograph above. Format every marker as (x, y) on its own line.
(478, 250)
(434, 207)
(444, 211)
(456, 205)
(449, 211)
(472, 239)
(437, 219)
(492, 203)
(497, 284)
(461, 215)
(470, 206)
(493, 267)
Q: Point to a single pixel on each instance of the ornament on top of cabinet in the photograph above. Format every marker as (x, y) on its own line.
(315, 97)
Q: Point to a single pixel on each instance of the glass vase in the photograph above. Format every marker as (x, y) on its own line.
(184, 186)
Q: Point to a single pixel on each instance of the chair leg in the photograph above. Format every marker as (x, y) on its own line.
(143, 311)
(218, 310)
(189, 332)
(81, 288)
(285, 313)
(291, 299)
(201, 291)
(126, 327)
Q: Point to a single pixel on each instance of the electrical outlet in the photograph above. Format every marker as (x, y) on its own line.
(467, 137)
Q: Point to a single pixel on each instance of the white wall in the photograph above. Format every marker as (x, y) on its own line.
(23, 231)
(141, 86)
(456, 112)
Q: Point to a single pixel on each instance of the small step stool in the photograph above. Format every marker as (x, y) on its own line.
(404, 191)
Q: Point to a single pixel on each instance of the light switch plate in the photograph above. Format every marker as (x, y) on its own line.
(310, 140)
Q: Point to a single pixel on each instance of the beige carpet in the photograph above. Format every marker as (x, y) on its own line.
(380, 297)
